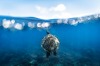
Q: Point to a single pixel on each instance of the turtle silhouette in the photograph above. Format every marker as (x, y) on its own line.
(50, 44)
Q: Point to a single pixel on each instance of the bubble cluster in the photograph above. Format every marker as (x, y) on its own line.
(73, 22)
(11, 23)
(43, 25)
(77, 20)
(59, 21)
(18, 26)
(31, 25)
(39, 25)
(7, 23)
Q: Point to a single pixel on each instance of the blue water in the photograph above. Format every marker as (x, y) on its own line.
(79, 44)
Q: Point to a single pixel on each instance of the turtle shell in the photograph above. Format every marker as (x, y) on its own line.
(50, 43)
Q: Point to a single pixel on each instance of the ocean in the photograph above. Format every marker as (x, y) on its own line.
(21, 38)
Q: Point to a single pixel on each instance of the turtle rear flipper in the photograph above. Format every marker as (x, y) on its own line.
(47, 54)
(55, 53)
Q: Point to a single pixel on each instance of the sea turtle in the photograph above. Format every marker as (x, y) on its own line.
(50, 44)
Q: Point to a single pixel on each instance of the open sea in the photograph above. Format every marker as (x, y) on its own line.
(21, 38)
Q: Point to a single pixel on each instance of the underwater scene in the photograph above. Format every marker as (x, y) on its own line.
(21, 39)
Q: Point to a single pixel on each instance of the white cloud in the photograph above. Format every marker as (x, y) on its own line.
(41, 10)
(53, 10)
(60, 7)
(58, 11)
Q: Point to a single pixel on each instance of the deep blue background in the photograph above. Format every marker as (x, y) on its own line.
(81, 39)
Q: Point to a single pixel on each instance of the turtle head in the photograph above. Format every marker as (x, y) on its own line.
(47, 32)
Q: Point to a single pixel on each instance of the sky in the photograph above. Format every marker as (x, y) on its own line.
(49, 9)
